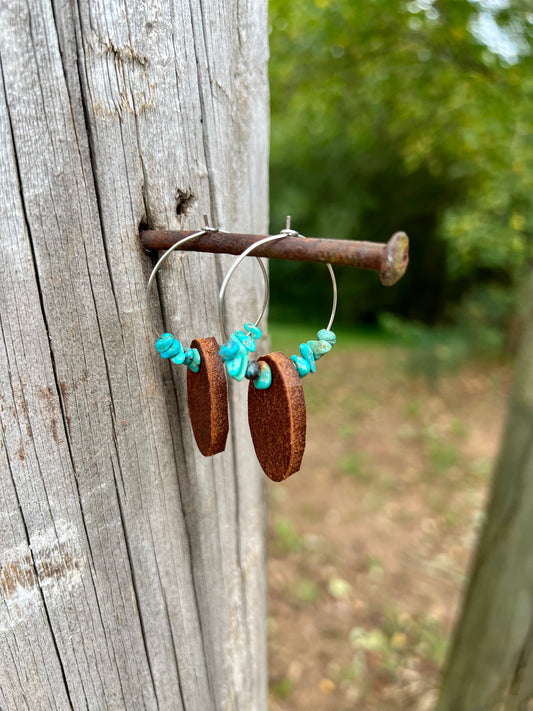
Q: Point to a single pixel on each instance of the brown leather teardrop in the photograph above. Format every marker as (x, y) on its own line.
(277, 419)
(207, 396)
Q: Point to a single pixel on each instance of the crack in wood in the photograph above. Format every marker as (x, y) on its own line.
(92, 160)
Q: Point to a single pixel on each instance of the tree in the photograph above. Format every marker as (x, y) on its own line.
(490, 665)
(395, 114)
(131, 569)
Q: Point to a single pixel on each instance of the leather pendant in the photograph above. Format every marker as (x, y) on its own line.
(277, 419)
(207, 396)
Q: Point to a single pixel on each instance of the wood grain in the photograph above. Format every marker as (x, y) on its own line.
(132, 569)
(277, 419)
(207, 397)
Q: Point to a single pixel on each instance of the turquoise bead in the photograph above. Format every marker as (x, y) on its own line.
(174, 350)
(307, 354)
(319, 348)
(180, 358)
(237, 367)
(325, 335)
(264, 379)
(302, 366)
(242, 349)
(248, 343)
(162, 344)
(192, 359)
(242, 370)
(170, 347)
(196, 356)
(233, 366)
(253, 330)
(229, 350)
(235, 351)
(306, 363)
(311, 351)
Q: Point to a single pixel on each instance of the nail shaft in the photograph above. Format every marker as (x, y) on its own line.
(389, 259)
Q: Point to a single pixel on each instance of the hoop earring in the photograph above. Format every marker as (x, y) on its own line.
(234, 351)
(276, 401)
(207, 396)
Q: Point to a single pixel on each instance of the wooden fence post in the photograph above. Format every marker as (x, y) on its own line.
(131, 568)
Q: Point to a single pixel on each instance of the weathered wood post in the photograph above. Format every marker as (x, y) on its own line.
(131, 568)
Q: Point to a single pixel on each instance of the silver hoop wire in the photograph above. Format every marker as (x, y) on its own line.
(242, 256)
(228, 276)
(175, 246)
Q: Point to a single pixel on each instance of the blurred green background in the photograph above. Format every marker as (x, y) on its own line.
(393, 115)
(411, 115)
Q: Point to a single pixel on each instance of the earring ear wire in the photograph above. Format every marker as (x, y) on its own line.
(206, 380)
(234, 351)
(276, 402)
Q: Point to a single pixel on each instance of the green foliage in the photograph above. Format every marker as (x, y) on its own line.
(394, 114)
(476, 329)
(432, 351)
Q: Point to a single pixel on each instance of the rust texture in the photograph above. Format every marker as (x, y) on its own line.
(389, 259)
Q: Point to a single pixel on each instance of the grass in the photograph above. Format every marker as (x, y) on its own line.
(442, 455)
(282, 689)
(304, 591)
(285, 538)
(369, 543)
(355, 465)
(287, 337)
(400, 642)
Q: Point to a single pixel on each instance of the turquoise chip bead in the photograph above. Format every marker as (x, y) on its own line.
(170, 347)
(248, 343)
(174, 350)
(319, 348)
(242, 348)
(307, 354)
(237, 367)
(234, 365)
(253, 330)
(162, 344)
(179, 359)
(229, 350)
(302, 366)
(196, 359)
(235, 351)
(325, 335)
(264, 379)
(192, 359)
(311, 351)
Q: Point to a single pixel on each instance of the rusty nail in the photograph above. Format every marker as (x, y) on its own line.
(389, 259)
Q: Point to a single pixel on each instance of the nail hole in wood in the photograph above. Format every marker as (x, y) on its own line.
(184, 200)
